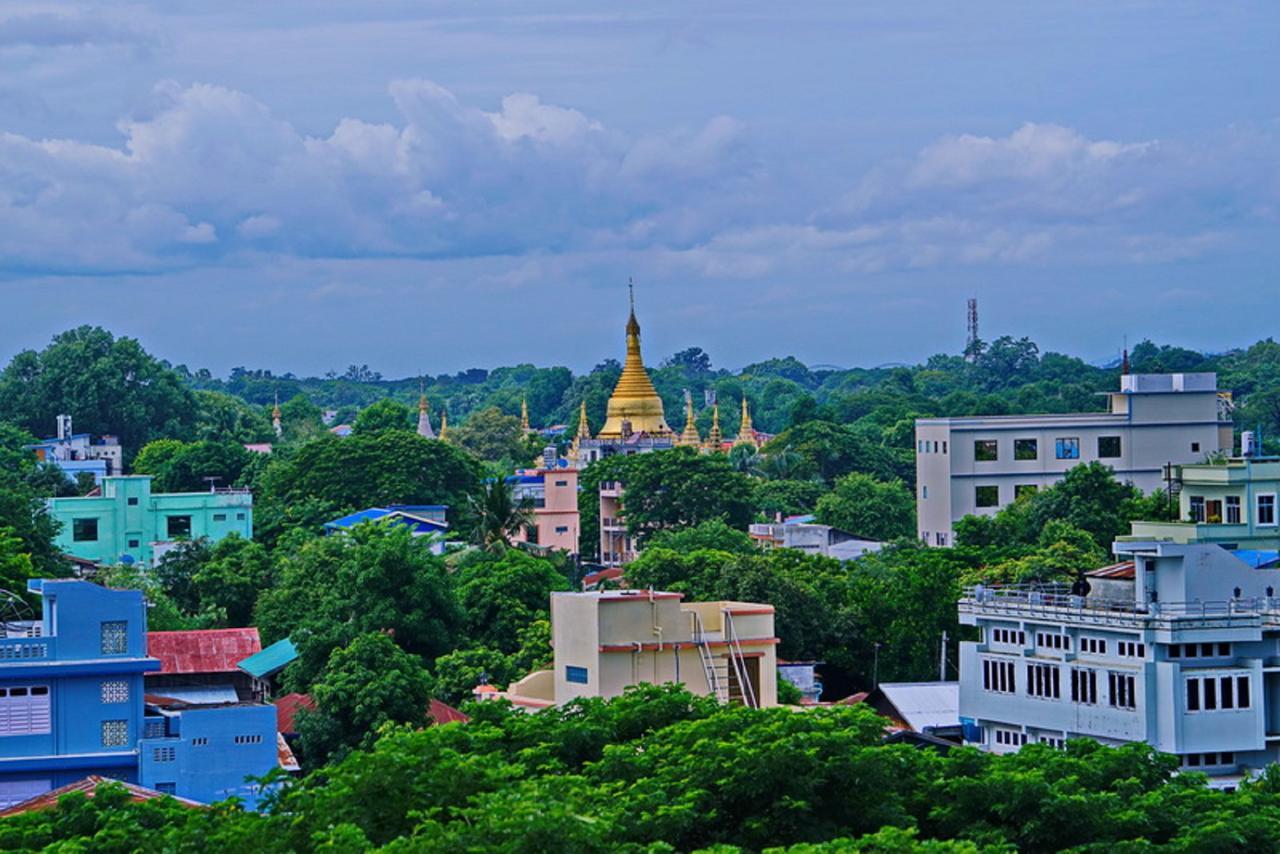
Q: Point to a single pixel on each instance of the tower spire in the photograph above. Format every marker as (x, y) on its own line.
(689, 436)
(584, 428)
(634, 402)
(714, 437)
(524, 415)
(275, 418)
(424, 414)
(746, 431)
(444, 425)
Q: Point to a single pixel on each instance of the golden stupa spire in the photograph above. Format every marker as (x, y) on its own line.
(689, 436)
(584, 427)
(444, 425)
(634, 402)
(714, 437)
(524, 415)
(746, 432)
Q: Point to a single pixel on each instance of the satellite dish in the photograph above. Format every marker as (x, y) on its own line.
(15, 613)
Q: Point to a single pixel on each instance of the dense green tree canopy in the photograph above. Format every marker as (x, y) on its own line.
(869, 508)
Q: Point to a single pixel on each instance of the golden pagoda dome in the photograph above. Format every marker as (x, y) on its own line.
(714, 437)
(634, 400)
(689, 436)
(746, 430)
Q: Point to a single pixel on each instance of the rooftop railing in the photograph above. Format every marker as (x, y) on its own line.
(1058, 598)
(16, 650)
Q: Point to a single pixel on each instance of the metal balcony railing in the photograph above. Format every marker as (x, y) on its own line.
(1046, 598)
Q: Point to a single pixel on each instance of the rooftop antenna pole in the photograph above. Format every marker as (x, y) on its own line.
(942, 659)
(971, 344)
(631, 293)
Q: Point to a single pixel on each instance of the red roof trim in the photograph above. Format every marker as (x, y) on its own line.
(653, 647)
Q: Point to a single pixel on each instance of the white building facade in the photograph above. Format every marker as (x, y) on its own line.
(1183, 655)
(976, 465)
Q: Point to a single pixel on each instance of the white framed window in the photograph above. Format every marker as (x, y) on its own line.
(1233, 510)
(163, 754)
(998, 675)
(1052, 640)
(1132, 649)
(1044, 681)
(1093, 646)
(1009, 737)
(115, 691)
(1221, 692)
(1084, 685)
(1054, 741)
(1121, 693)
(1009, 636)
(24, 710)
(1265, 510)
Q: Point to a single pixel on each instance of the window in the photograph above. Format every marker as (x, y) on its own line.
(219, 517)
(1011, 738)
(163, 754)
(919, 446)
(200, 741)
(1233, 510)
(986, 496)
(1067, 449)
(1211, 693)
(924, 491)
(84, 530)
(1052, 640)
(944, 446)
(985, 450)
(1195, 447)
(1084, 685)
(1026, 449)
(179, 527)
(1043, 680)
(1195, 760)
(562, 529)
(1132, 649)
(1054, 742)
(1266, 509)
(133, 544)
(1197, 508)
(562, 483)
(24, 710)
(132, 502)
(115, 733)
(1093, 646)
(167, 788)
(1108, 447)
(247, 739)
(1012, 636)
(1021, 489)
(940, 538)
(239, 517)
(997, 675)
(575, 674)
(1121, 687)
(115, 691)
(115, 637)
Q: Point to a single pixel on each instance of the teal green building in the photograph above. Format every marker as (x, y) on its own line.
(1234, 503)
(129, 523)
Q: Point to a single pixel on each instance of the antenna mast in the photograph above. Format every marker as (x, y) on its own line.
(971, 344)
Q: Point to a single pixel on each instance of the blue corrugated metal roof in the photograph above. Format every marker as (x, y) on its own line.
(1258, 558)
(418, 520)
(370, 514)
(271, 660)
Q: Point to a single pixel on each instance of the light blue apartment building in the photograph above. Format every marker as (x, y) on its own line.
(73, 703)
(1178, 646)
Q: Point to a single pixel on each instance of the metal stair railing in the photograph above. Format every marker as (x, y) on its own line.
(739, 663)
(708, 663)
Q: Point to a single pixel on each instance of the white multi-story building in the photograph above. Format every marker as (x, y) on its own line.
(1178, 647)
(976, 465)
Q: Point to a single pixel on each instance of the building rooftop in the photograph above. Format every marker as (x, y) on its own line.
(203, 651)
(271, 660)
(287, 708)
(88, 787)
(922, 705)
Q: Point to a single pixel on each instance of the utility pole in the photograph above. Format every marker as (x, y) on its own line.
(942, 660)
(971, 343)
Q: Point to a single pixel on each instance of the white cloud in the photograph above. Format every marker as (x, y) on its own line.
(213, 166)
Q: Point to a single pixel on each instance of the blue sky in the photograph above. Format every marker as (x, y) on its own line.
(431, 186)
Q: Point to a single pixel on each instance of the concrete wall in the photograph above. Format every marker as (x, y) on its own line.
(213, 750)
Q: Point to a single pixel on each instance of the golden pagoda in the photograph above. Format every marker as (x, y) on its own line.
(714, 437)
(634, 402)
(689, 436)
(746, 431)
(424, 415)
(443, 435)
(584, 431)
(524, 415)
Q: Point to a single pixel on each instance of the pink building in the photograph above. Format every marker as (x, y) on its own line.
(554, 493)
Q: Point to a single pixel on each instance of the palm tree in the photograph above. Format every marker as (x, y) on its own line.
(781, 465)
(499, 514)
(744, 458)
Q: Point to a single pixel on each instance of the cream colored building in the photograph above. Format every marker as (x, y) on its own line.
(608, 640)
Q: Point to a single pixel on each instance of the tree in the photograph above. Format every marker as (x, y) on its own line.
(499, 514)
(226, 418)
(713, 534)
(376, 578)
(108, 385)
(366, 684)
(787, 497)
(15, 564)
(694, 360)
(827, 451)
(194, 466)
(386, 414)
(502, 594)
(680, 487)
(869, 508)
(490, 435)
(326, 477)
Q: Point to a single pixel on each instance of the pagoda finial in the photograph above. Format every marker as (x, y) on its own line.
(524, 415)
(424, 415)
(714, 437)
(584, 428)
(1124, 362)
(746, 431)
(444, 425)
(689, 436)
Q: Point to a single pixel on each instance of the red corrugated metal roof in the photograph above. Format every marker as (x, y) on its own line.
(443, 713)
(89, 787)
(287, 709)
(203, 651)
(1120, 571)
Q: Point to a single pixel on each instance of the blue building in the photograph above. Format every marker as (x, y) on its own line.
(76, 700)
(77, 453)
(422, 520)
(71, 698)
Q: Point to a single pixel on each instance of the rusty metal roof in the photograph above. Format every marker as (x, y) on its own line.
(203, 651)
(287, 708)
(89, 786)
(1117, 571)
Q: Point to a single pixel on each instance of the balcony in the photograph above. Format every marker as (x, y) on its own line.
(21, 650)
(1187, 532)
(610, 489)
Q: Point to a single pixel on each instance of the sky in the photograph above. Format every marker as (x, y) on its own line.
(431, 186)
